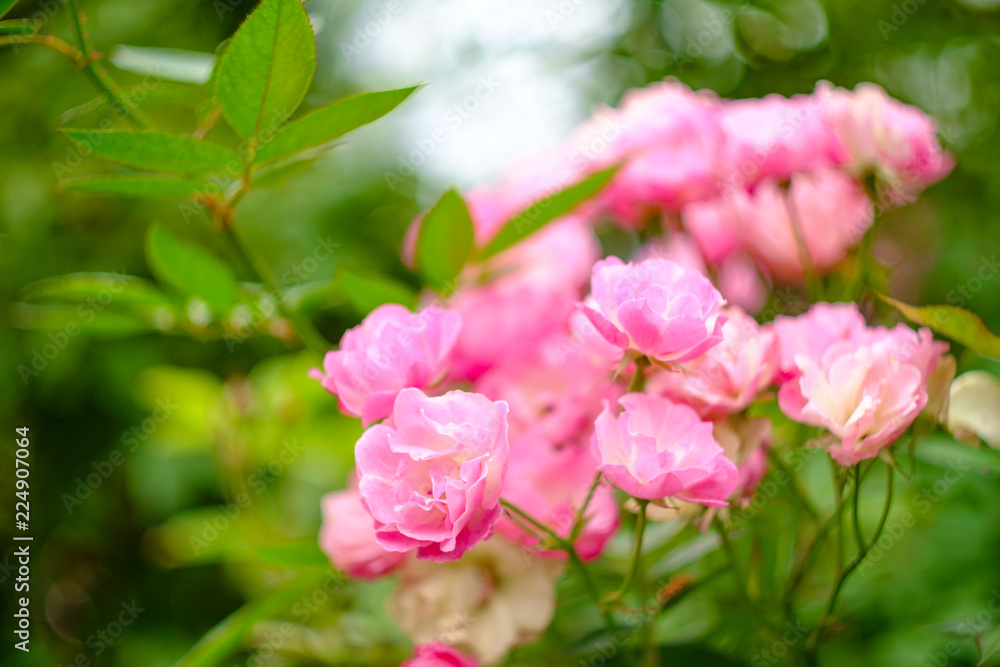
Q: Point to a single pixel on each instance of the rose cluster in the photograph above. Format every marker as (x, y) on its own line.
(508, 423)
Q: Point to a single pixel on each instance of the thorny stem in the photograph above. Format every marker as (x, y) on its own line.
(99, 76)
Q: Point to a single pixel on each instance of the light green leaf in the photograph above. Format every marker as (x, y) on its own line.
(18, 27)
(958, 324)
(367, 291)
(121, 288)
(323, 125)
(444, 241)
(538, 215)
(190, 269)
(157, 151)
(84, 318)
(136, 185)
(6, 6)
(265, 72)
(278, 175)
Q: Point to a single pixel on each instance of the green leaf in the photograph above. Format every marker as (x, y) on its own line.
(278, 175)
(86, 319)
(6, 6)
(323, 125)
(17, 27)
(535, 217)
(266, 70)
(955, 323)
(136, 185)
(157, 151)
(444, 241)
(76, 287)
(366, 291)
(190, 269)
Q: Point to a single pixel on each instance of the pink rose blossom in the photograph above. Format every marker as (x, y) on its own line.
(866, 391)
(832, 211)
(728, 377)
(714, 226)
(897, 141)
(432, 477)
(810, 334)
(745, 442)
(655, 307)
(391, 349)
(347, 537)
(436, 654)
(551, 485)
(657, 449)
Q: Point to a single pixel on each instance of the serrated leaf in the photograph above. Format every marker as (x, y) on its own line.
(6, 6)
(538, 215)
(444, 241)
(18, 27)
(265, 72)
(157, 151)
(190, 269)
(74, 287)
(136, 185)
(366, 291)
(958, 324)
(325, 124)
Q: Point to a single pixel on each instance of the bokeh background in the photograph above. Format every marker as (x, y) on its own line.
(177, 424)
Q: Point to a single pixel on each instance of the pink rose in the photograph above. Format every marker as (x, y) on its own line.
(880, 134)
(776, 137)
(810, 334)
(551, 485)
(655, 307)
(728, 377)
(657, 449)
(391, 349)
(347, 537)
(833, 213)
(866, 391)
(714, 226)
(432, 477)
(436, 654)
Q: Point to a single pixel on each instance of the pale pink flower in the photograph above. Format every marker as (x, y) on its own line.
(432, 477)
(715, 227)
(657, 449)
(551, 485)
(745, 442)
(866, 391)
(897, 141)
(831, 209)
(347, 537)
(810, 334)
(741, 284)
(728, 377)
(391, 349)
(655, 307)
(496, 597)
(436, 654)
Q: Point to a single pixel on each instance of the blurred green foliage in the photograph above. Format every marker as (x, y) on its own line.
(181, 471)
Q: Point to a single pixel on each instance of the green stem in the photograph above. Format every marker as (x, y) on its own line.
(580, 520)
(639, 379)
(304, 328)
(99, 76)
(798, 492)
(633, 567)
(857, 516)
(817, 634)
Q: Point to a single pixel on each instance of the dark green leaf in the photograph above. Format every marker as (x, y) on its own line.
(323, 125)
(444, 241)
(267, 68)
(190, 269)
(6, 6)
(366, 291)
(955, 323)
(18, 27)
(82, 286)
(535, 217)
(157, 151)
(136, 185)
